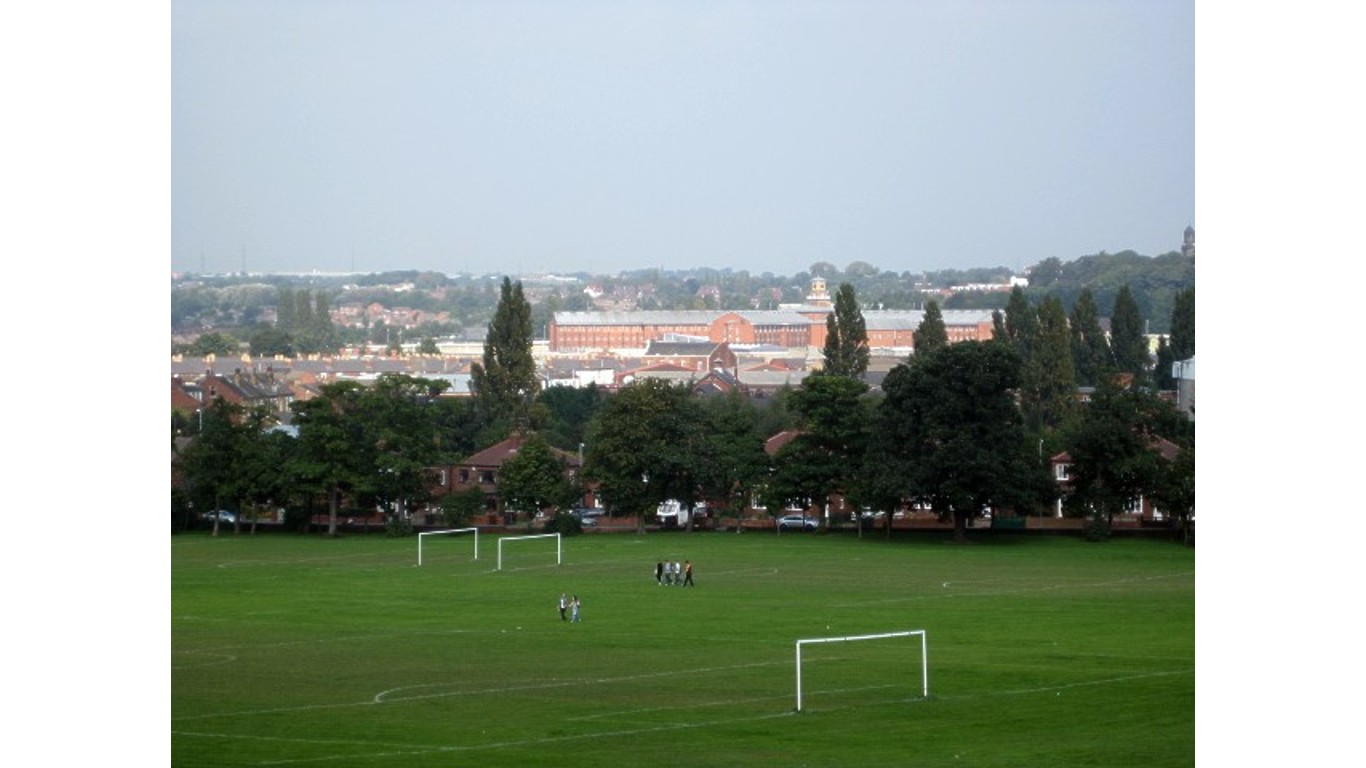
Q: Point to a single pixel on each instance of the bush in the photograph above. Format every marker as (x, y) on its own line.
(397, 527)
(565, 523)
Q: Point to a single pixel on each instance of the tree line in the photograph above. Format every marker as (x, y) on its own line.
(955, 428)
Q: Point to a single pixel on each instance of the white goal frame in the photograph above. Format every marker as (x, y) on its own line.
(559, 545)
(924, 655)
(421, 534)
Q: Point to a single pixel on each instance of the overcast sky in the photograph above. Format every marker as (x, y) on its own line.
(600, 136)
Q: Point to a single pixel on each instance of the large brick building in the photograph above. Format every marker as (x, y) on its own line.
(798, 327)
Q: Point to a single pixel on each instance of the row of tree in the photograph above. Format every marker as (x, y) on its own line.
(958, 428)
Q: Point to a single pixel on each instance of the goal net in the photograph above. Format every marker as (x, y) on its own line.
(859, 664)
(452, 532)
(539, 551)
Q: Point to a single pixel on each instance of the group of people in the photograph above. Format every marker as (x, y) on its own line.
(570, 605)
(674, 573)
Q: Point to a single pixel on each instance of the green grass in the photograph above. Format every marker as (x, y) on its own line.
(293, 650)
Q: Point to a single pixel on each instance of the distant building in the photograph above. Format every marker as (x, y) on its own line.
(1188, 243)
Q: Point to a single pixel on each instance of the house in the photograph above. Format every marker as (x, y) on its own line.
(480, 470)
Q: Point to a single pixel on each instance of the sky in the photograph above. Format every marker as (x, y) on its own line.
(525, 137)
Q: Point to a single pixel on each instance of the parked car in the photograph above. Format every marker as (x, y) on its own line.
(588, 516)
(799, 522)
(223, 515)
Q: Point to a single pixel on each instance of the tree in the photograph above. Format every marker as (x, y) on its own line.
(825, 457)
(736, 463)
(214, 343)
(932, 334)
(1112, 458)
(1050, 389)
(1090, 349)
(536, 479)
(334, 455)
(1183, 325)
(1127, 341)
(643, 447)
(950, 433)
(269, 342)
(846, 336)
(398, 415)
(505, 383)
(1021, 323)
(233, 461)
(1174, 493)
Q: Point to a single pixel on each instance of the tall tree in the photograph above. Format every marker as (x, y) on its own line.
(1021, 323)
(949, 433)
(846, 336)
(1183, 325)
(1050, 391)
(505, 383)
(1127, 340)
(1090, 349)
(932, 333)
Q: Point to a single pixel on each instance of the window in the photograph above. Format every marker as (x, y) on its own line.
(486, 477)
(464, 476)
(1060, 471)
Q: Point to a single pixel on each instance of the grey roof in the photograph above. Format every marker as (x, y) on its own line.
(678, 317)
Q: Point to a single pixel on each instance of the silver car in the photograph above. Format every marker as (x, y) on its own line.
(797, 522)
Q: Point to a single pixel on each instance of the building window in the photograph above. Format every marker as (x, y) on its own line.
(464, 476)
(486, 477)
(1060, 471)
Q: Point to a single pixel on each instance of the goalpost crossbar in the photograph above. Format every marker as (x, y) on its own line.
(924, 656)
(423, 534)
(559, 545)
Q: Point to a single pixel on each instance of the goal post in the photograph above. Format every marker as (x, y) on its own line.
(924, 656)
(559, 545)
(421, 536)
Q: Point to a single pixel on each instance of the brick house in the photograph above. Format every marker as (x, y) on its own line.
(480, 470)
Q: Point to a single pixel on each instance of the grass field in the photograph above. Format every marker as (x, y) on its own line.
(1048, 651)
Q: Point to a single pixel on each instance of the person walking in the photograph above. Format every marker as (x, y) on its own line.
(564, 604)
(678, 573)
(659, 573)
(687, 574)
(574, 610)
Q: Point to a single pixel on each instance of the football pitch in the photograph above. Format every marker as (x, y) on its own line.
(299, 650)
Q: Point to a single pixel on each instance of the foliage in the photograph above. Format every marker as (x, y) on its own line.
(398, 527)
(736, 463)
(825, 457)
(1049, 393)
(846, 336)
(645, 446)
(536, 479)
(334, 455)
(568, 412)
(932, 333)
(1113, 455)
(1127, 342)
(1090, 349)
(459, 508)
(505, 383)
(1183, 326)
(214, 343)
(564, 522)
(950, 433)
